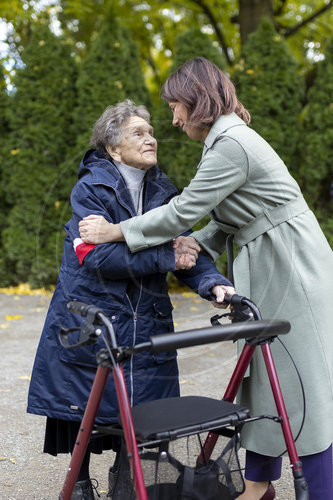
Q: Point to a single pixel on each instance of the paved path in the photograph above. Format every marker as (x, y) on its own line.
(25, 472)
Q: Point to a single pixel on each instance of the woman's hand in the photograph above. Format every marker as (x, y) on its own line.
(185, 261)
(186, 245)
(95, 229)
(186, 252)
(220, 291)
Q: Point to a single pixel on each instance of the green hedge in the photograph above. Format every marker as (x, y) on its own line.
(270, 86)
(41, 133)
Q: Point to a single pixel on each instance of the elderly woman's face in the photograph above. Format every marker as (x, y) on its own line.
(138, 146)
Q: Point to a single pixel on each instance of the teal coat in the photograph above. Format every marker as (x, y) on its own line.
(284, 265)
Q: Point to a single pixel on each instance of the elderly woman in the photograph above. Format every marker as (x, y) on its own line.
(284, 265)
(117, 179)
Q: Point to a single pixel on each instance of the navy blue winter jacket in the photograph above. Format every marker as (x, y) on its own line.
(130, 288)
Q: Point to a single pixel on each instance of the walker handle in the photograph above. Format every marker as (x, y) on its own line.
(76, 307)
(259, 330)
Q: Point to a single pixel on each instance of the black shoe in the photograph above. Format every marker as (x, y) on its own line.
(83, 490)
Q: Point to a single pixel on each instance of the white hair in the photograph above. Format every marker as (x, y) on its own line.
(108, 129)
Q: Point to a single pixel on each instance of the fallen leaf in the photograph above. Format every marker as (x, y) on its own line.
(25, 289)
(10, 317)
(25, 377)
(8, 458)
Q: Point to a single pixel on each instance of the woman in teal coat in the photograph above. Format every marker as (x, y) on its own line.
(283, 265)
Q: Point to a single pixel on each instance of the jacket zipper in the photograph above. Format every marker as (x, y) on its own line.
(135, 320)
(134, 312)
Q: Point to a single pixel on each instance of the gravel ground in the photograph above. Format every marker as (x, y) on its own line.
(25, 472)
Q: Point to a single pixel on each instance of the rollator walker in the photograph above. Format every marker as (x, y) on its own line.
(155, 424)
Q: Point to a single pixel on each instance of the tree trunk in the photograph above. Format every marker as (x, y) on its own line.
(250, 13)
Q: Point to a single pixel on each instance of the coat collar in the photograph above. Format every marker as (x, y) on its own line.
(158, 187)
(222, 124)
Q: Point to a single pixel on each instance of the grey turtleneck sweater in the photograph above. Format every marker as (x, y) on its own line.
(134, 180)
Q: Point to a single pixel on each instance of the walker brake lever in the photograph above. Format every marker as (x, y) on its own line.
(89, 330)
(88, 335)
(214, 320)
(239, 312)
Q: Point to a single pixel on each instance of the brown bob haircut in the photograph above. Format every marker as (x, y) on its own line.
(205, 91)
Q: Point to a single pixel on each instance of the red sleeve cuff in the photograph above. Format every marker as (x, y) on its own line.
(81, 249)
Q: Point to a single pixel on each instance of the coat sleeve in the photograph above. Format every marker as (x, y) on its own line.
(202, 277)
(112, 260)
(211, 239)
(221, 171)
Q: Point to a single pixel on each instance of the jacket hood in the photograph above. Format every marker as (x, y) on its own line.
(93, 159)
